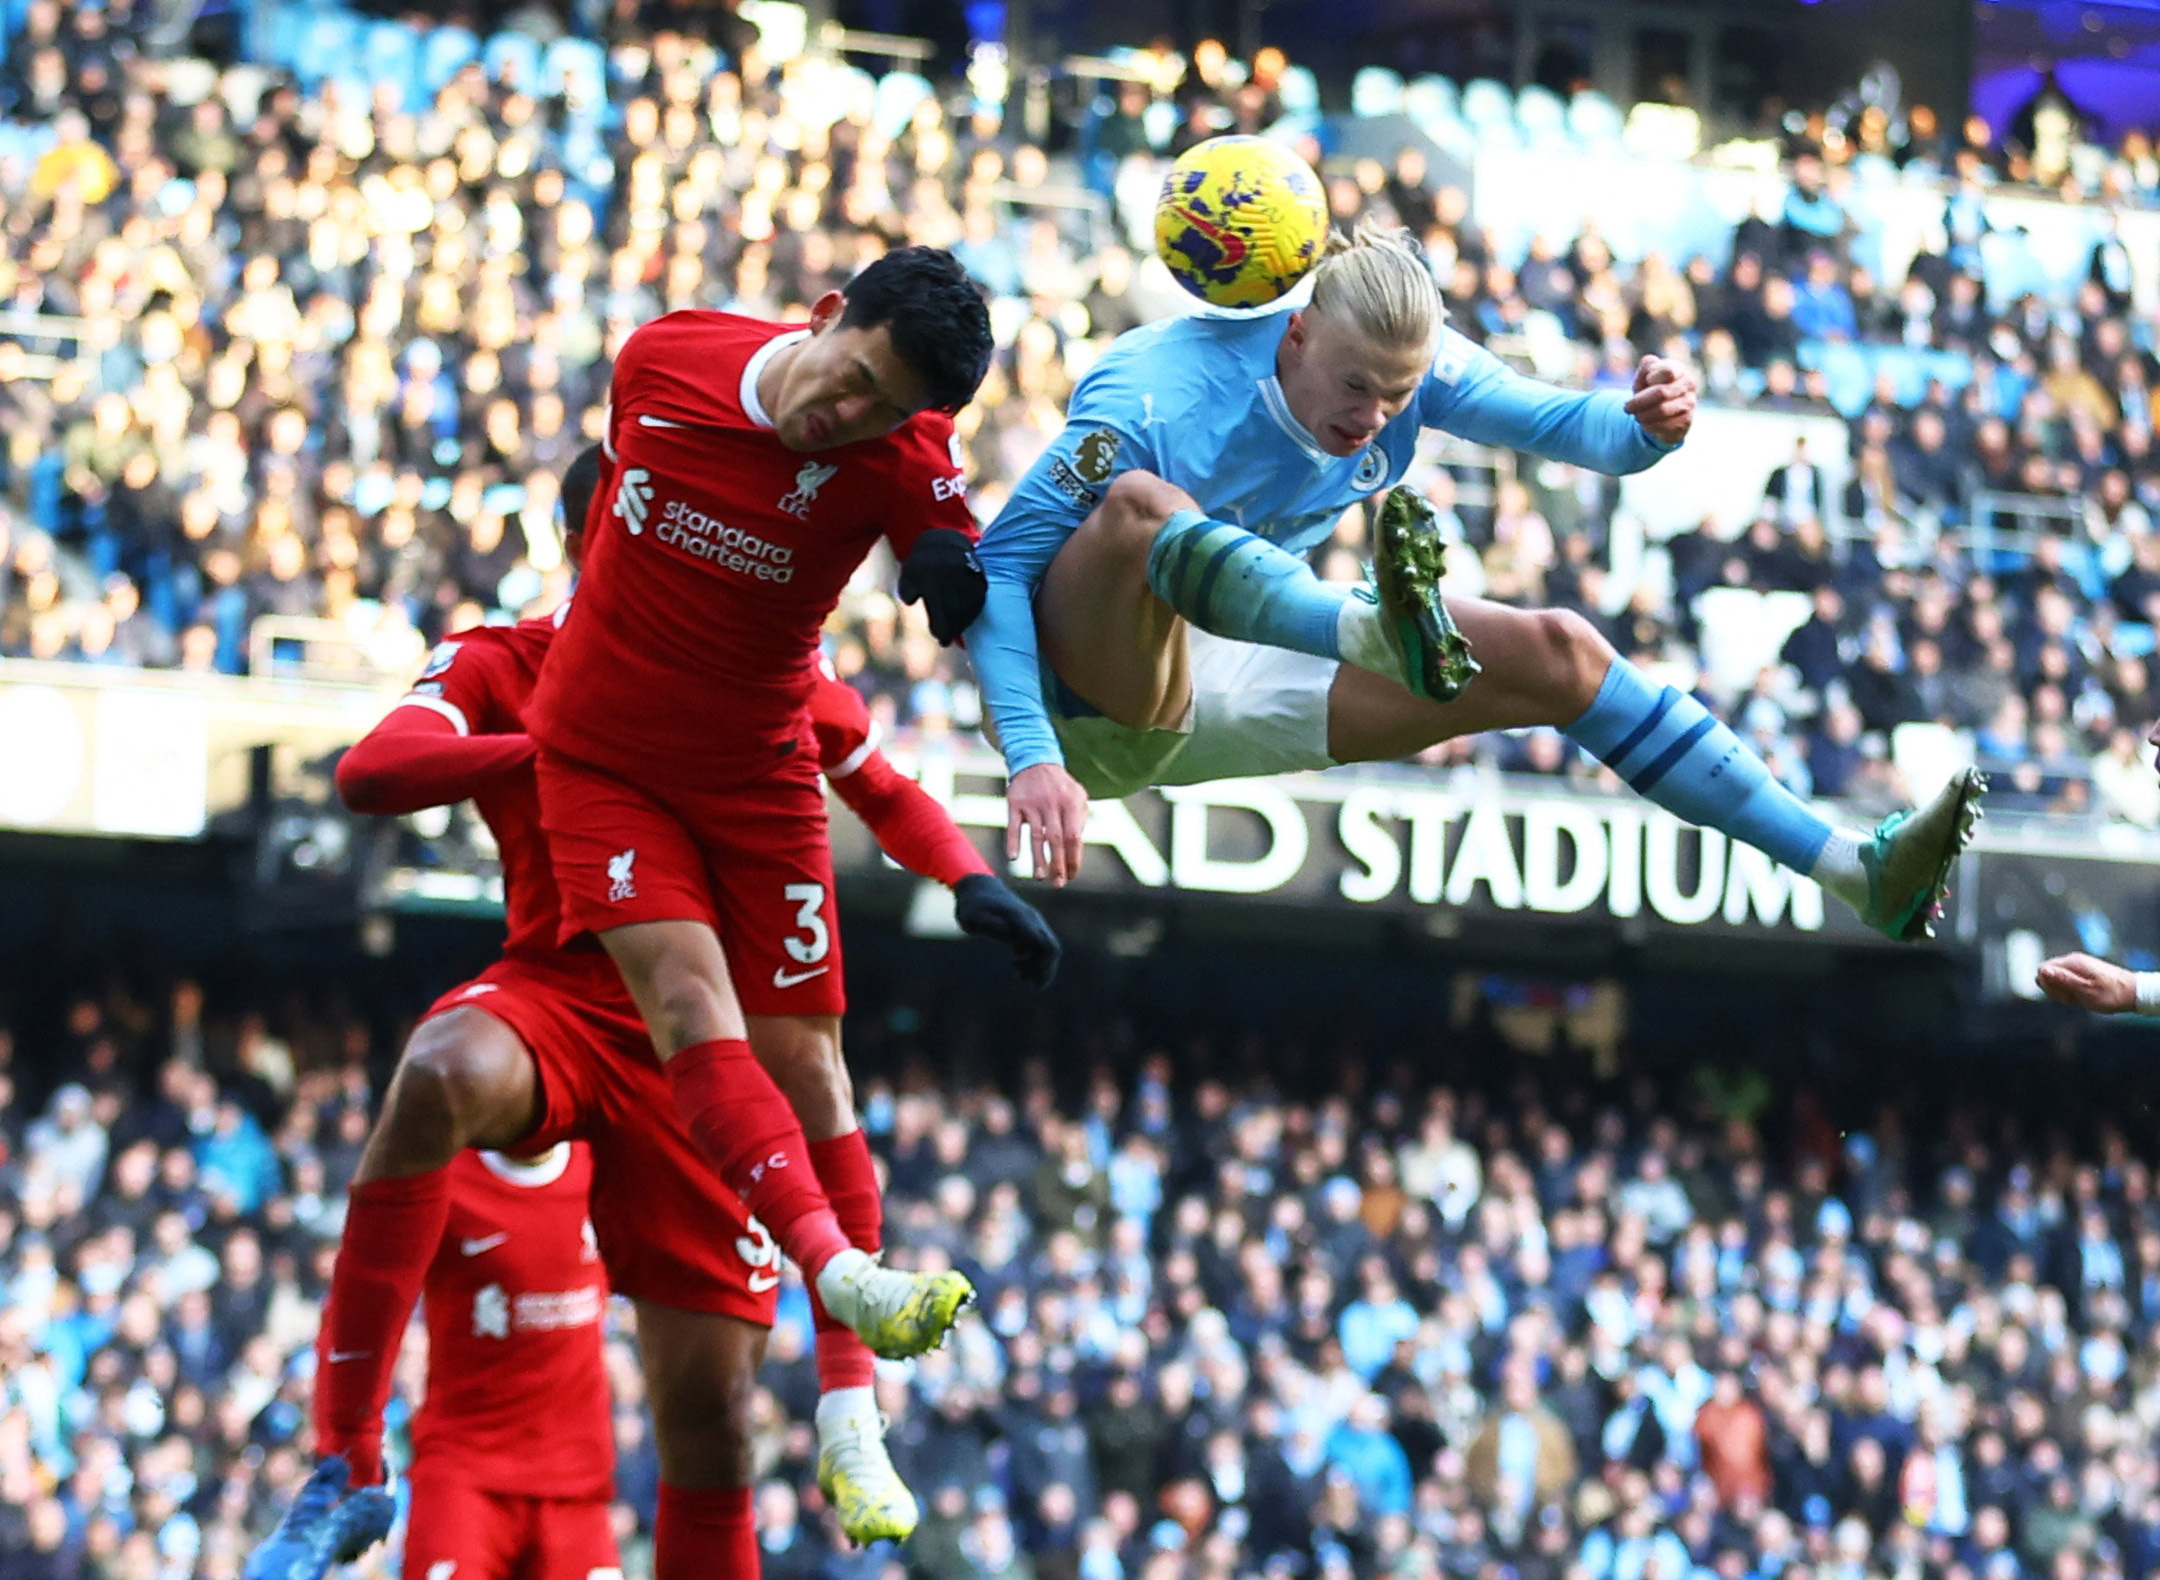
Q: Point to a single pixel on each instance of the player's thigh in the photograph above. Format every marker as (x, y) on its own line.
(771, 877)
(1110, 640)
(1540, 667)
(700, 1373)
(670, 1231)
(570, 1539)
(458, 1532)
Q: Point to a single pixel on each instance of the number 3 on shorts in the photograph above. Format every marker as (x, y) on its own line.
(809, 900)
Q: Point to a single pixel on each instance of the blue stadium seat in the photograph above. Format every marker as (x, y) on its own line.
(1541, 117)
(1595, 120)
(1375, 92)
(329, 42)
(1487, 104)
(391, 54)
(1431, 97)
(446, 51)
(577, 69)
(1299, 91)
(898, 93)
(514, 58)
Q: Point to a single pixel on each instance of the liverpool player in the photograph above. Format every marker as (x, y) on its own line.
(749, 469)
(513, 1452)
(547, 1045)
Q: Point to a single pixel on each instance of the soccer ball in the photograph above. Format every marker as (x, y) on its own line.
(1240, 221)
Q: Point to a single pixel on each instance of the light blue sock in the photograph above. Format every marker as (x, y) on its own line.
(1670, 749)
(1231, 583)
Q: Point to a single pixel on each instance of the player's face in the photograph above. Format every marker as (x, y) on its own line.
(1341, 387)
(843, 385)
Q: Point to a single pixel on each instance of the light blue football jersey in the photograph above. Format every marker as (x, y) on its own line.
(1196, 402)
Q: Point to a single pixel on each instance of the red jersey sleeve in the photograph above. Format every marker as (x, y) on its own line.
(908, 825)
(929, 483)
(445, 739)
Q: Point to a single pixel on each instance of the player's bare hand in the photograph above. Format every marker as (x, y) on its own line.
(1664, 399)
(2087, 983)
(1049, 804)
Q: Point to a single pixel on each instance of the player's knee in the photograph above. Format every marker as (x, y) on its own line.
(686, 1008)
(1573, 655)
(1136, 505)
(455, 1083)
(705, 1436)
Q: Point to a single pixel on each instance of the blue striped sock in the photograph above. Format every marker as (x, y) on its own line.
(1671, 750)
(1234, 584)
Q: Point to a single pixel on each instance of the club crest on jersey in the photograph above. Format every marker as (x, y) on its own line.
(633, 499)
(1372, 469)
(814, 476)
(440, 660)
(622, 882)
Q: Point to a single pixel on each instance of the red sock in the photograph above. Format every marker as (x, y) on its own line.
(738, 1117)
(850, 1179)
(392, 1228)
(705, 1533)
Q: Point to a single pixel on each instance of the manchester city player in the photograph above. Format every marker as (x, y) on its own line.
(1152, 618)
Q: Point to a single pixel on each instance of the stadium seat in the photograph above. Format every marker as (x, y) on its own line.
(444, 52)
(1595, 120)
(329, 43)
(1299, 91)
(1375, 92)
(1486, 104)
(391, 53)
(1431, 97)
(898, 95)
(575, 68)
(1926, 755)
(514, 58)
(1541, 117)
(1743, 631)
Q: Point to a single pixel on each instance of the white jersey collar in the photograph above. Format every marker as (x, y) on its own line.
(546, 1169)
(1278, 407)
(753, 408)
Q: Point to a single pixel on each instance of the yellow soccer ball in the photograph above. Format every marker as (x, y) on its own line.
(1240, 221)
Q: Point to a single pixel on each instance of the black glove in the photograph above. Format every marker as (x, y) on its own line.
(987, 908)
(942, 574)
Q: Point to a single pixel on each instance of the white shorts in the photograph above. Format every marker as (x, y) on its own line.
(1256, 710)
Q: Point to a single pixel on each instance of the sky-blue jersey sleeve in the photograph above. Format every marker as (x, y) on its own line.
(1473, 394)
(1101, 439)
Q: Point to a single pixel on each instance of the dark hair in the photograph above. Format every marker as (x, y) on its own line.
(579, 479)
(935, 314)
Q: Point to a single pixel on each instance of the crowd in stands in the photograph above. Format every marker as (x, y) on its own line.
(327, 350)
(1435, 1310)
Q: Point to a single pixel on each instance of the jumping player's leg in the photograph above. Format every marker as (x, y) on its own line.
(700, 1374)
(1147, 560)
(465, 1080)
(1551, 667)
(802, 1052)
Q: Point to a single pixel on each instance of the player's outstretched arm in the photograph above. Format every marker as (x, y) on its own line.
(2101, 986)
(418, 758)
(1473, 394)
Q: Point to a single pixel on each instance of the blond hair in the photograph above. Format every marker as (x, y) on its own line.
(1375, 281)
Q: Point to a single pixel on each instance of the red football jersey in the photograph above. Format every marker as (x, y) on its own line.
(482, 681)
(517, 1388)
(714, 555)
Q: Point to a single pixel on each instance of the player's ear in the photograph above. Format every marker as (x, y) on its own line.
(825, 312)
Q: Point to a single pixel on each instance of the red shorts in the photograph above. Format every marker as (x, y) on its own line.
(501, 1536)
(669, 1230)
(754, 864)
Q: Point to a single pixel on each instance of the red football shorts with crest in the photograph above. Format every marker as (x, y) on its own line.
(753, 863)
(501, 1536)
(669, 1230)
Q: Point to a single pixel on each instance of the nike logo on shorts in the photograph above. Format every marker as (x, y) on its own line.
(476, 1247)
(784, 978)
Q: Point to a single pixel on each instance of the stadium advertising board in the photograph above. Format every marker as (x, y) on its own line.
(1397, 840)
